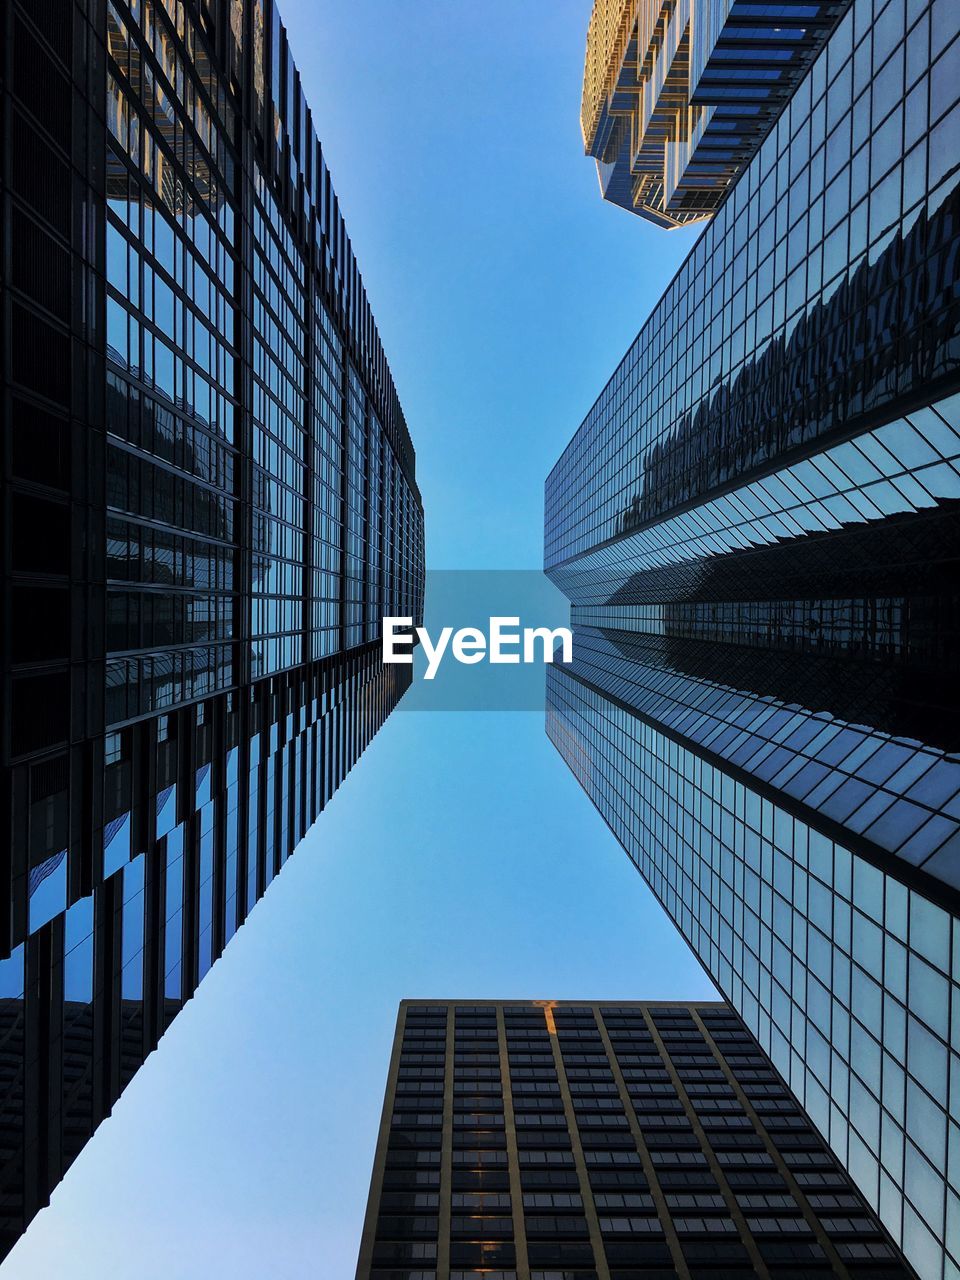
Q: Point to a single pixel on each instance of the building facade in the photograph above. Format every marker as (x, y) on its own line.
(678, 94)
(209, 502)
(529, 1140)
(757, 527)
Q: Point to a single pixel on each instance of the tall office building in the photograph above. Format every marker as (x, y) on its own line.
(530, 1140)
(678, 96)
(757, 527)
(209, 503)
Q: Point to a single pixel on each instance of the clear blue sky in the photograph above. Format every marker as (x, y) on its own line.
(460, 858)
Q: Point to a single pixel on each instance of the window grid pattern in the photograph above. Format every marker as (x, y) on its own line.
(628, 1140)
(755, 525)
(207, 840)
(907, 466)
(174, 283)
(844, 975)
(171, 407)
(898, 796)
(169, 305)
(327, 484)
(279, 442)
(820, 291)
(356, 526)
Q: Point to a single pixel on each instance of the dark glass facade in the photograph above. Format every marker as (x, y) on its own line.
(757, 528)
(537, 1140)
(209, 503)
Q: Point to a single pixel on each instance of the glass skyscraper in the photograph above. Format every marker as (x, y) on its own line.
(209, 503)
(757, 528)
(531, 1140)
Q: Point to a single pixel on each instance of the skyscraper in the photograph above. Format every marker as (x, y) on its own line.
(757, 527)
(527, 1140)
(677, 97)
(209, 503)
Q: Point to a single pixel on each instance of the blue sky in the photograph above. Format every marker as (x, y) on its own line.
(460, 858)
